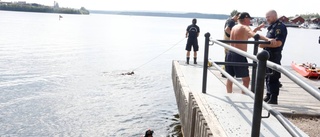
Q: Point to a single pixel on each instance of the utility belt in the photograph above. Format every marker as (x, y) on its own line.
(274, 50)
(275, 56)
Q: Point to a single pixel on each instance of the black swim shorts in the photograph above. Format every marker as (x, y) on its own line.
(192, 42)
(238, 71)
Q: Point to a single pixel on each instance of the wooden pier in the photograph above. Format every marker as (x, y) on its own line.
(293, 100)
(218, 113)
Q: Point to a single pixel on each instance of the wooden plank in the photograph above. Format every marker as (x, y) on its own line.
(225, 114)
(292, 99)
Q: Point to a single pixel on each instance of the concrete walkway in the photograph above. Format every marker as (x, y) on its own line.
(233, 111)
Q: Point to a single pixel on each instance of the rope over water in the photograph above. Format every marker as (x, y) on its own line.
(132, 72)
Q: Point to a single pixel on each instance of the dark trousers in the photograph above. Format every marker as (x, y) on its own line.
(272, 81)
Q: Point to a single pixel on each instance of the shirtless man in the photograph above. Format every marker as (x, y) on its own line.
(241, 31)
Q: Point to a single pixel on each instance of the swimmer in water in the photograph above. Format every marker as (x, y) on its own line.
(149, 133)
(128, 73)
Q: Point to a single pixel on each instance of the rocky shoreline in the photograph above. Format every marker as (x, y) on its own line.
(308, 124)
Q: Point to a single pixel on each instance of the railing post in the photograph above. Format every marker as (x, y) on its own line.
(205, 62)
(254, 68)
(257, 108)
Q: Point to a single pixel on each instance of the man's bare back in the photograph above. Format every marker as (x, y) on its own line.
(241, 32)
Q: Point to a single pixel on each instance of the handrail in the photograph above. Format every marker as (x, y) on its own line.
(240, 52)
(287, 125)
(307, 87)
(311, 90)
(263, 56)
(257, 116)
(244, 42)
(256, 43)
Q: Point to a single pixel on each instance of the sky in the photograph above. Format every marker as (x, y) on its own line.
(253, 7)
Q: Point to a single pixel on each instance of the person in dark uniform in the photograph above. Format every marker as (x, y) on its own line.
(192, 34)
(230, 22)
(278, 32)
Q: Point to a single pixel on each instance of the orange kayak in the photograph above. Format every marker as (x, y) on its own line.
(306, 70)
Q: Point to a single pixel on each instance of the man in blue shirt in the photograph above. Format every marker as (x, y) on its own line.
(192, 34)
(277, 31)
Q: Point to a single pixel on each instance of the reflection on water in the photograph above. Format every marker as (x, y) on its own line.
(175, 127)
(63, 78)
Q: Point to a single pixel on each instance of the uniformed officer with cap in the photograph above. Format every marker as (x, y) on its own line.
(277, 31)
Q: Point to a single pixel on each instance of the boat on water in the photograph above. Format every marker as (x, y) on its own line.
(291, 25)
(308, 70)
(309, 26)
(313, 26)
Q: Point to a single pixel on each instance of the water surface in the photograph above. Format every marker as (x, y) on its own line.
(62, 78)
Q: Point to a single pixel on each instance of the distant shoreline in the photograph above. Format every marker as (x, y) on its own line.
(164, 14)
(34, 7)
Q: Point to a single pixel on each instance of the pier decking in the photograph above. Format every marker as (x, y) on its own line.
(293, 100)
(218, 113)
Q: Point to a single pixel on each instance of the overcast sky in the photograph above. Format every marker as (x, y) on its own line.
(254, 7)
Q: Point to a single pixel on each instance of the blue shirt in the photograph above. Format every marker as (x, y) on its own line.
(278, 31)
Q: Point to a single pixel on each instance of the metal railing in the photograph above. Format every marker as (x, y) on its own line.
(253, 64)
(307, 87)
(259, 78)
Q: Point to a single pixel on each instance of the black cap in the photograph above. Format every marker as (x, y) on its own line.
(244, 15)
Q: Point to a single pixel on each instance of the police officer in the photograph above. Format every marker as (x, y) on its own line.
(192, 34)
(278, 32)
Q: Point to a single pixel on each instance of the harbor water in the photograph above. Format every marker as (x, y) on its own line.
(63, 77)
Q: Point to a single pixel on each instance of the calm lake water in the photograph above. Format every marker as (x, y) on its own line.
(62, 78)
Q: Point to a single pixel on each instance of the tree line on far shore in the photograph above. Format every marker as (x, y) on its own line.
(41, 8)
(305, 16)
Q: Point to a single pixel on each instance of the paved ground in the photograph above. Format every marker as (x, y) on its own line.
(309, 125)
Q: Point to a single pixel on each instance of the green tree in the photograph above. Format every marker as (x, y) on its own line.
(234, 12)
(309, 16)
